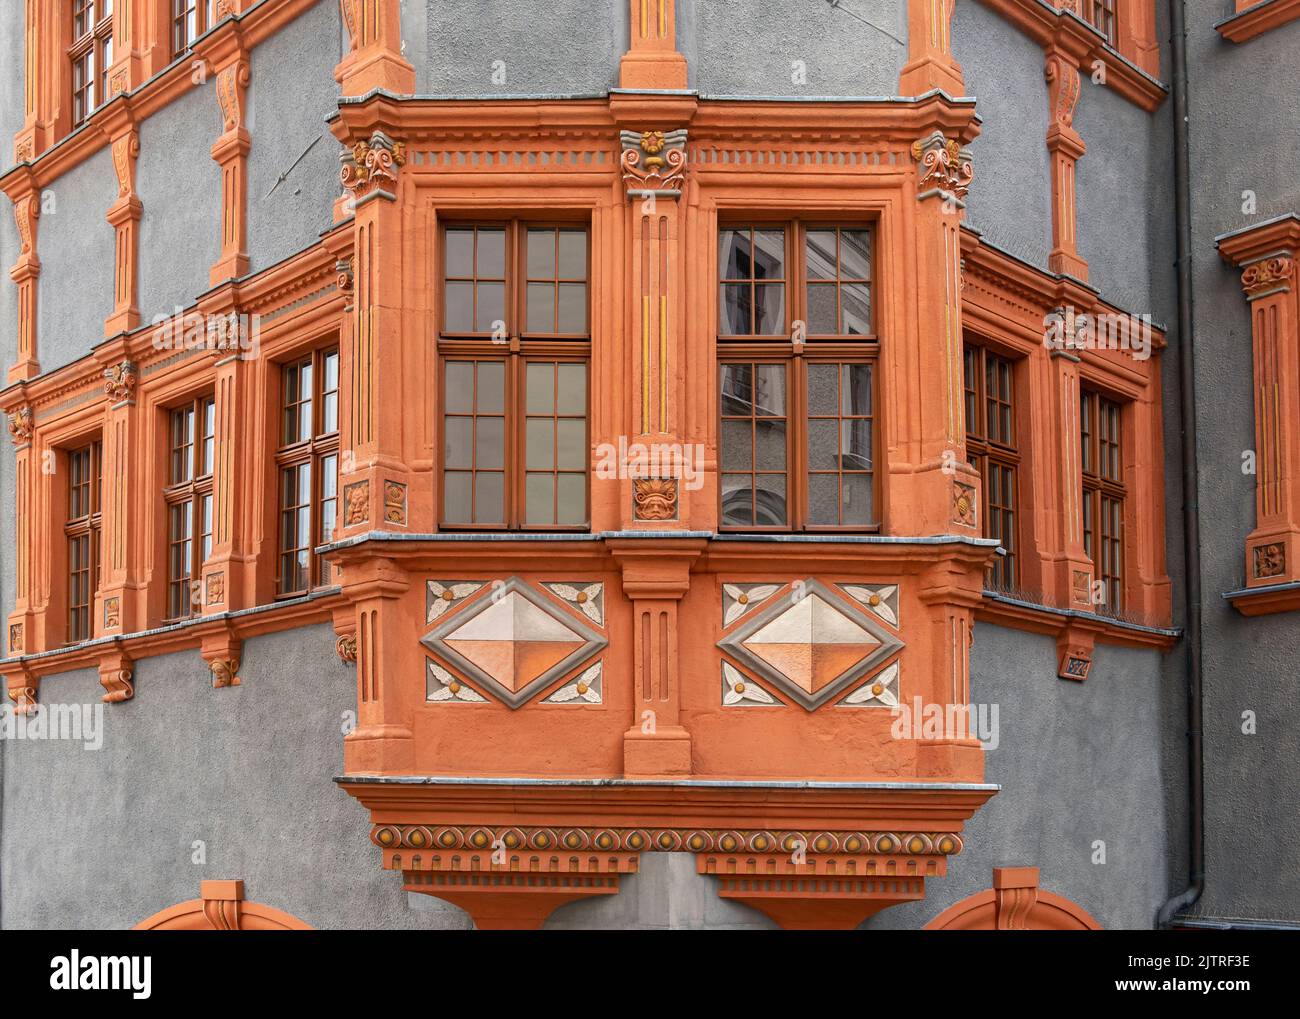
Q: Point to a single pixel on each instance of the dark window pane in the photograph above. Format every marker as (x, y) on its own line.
(823, 395)
(738, 500)
(737, 445)
(823, 444)
(771, 390)
(769, 254)
(856, 505)
(572, 398)
(735, 309)
(824, 499)
(734, 258)
(571, 439)
(769, 301)
(769, 441)
(769, 500)
(539, 498)
(856, 382)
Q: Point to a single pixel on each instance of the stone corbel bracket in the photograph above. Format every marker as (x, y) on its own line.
(116, 675)
(221, 651)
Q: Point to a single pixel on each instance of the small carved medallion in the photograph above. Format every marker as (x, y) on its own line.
(395, 503)
(356, 504)
(112, 613)
(15, 638)
(216, 593)
(653, 160)
(20, 426)
(963, 504)
(346, 646)
(225, 672)
(1270, 560)
(120, 380)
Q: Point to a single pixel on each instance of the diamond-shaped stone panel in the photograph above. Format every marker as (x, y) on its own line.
(515, 643)
(811, 646)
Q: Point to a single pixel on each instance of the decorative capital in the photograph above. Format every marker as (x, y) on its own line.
(654, 161)
(231, 82)
(1063, 88)
(21, 426)
(26, 211)
(944, 164)
(125, 149)
(372, 164)
(25, 149)
(346, 646)
(1271, 275)
(120, 380)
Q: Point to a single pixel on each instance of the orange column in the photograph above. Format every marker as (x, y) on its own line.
(374, 59)
(46, 111)
(20, 636)
(1272, 552)
(930, 62)
(1065, 146)
(124, 216)
(27, 209)
(656, 575)
(231, 152)
(118, 605)
(931, 487)
(652, 60)
(1069, 569)
(374, 477)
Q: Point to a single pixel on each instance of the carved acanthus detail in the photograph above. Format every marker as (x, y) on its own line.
(231, 82)
(346, 645)
(944, 164)
(120, 380)
(371, 164)
(1063, 87)
(653, 160)
(1270, 275)
(125, 149)
(26, 211)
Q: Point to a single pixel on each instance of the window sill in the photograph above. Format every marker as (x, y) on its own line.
(1265, 600)
(1254, 21)
(1020, 614)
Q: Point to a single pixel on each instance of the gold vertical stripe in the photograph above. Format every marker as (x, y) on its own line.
(663, 362)
(663, 19)
(645, 363)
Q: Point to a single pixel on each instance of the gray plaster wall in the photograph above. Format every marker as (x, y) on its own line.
(75, 243)
(179, 185)
(1124, 207)
(293, 71)
(801, 47)
(12, 100)
(104, 839)
(1010, 200)
(501, 47)
(1252, 802)
(1079, 764)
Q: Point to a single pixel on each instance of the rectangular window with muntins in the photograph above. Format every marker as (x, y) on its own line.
(515, 342)
(797, 353)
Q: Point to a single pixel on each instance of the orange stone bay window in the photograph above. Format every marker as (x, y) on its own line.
(797, 355)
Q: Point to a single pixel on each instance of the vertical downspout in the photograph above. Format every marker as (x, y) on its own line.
(1191, 480)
